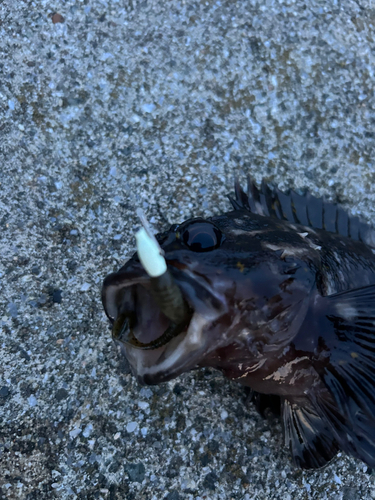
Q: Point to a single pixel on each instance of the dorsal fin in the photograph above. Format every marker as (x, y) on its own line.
(306, 210)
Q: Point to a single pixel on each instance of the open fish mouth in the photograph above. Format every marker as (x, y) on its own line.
(140, 322)
(160, 308)
(157, 348)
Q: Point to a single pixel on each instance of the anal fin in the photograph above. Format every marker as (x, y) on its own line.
(309, 438)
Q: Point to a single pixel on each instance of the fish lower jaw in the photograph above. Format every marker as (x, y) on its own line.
(180, 354)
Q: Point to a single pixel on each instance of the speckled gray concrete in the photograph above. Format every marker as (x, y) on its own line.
(157, 104)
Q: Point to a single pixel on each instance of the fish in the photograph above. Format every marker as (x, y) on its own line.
(279, 295)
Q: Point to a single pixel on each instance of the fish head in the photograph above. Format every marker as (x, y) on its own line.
(240, 293)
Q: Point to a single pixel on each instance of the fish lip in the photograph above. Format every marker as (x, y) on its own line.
(167, 362)
(187, 348)
(114, 282)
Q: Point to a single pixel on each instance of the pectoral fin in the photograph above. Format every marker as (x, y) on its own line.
(307, 435)
(346, 364)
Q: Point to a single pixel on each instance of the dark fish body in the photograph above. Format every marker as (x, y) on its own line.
(282, 298)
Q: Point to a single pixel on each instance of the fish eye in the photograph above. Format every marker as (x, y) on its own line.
(201, 236)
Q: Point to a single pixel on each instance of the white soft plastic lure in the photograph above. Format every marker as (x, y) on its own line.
(150, 254)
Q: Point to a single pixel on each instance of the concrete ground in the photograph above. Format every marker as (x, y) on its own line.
(110, 105)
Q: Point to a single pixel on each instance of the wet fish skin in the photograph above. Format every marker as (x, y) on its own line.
(284, 303)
